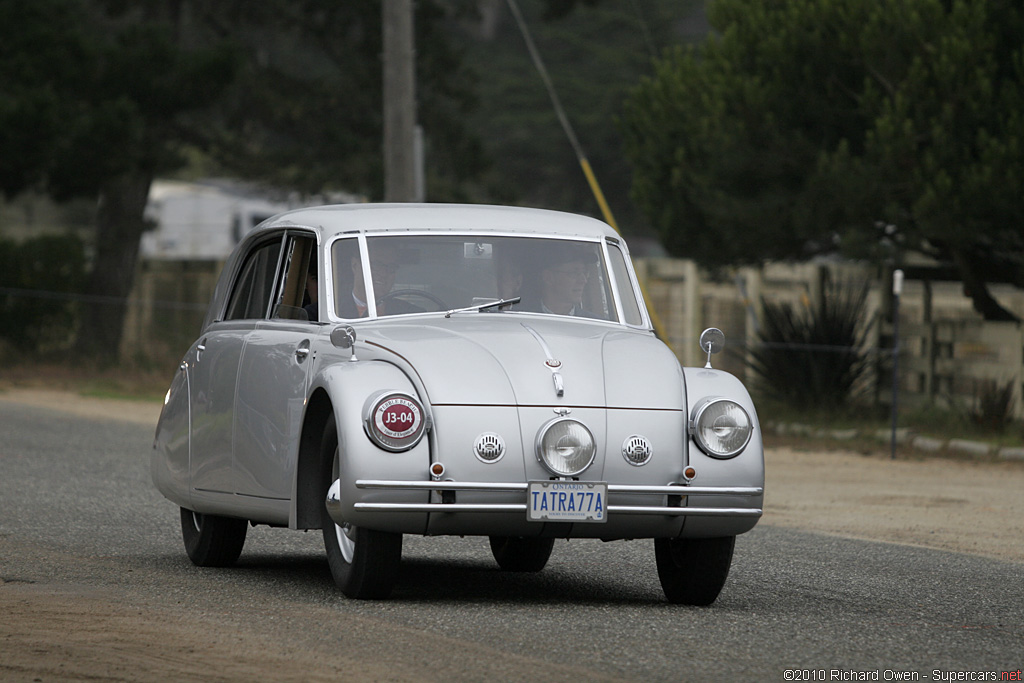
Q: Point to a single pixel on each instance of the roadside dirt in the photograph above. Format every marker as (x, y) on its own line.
(140, 412)
(960, 506)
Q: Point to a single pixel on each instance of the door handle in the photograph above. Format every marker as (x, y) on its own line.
(302, 352)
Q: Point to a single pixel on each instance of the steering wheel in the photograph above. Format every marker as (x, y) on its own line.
(398, 293)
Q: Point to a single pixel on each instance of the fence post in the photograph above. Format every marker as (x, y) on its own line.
(693, 320)
(897, 290)
(751, 277)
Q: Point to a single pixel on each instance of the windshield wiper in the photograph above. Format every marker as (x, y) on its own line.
(484, 307)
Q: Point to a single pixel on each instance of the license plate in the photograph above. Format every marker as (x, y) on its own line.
(567, 501)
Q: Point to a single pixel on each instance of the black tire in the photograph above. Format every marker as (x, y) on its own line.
(211, 540)
(693, 570)
(364, 563)
(521, 554)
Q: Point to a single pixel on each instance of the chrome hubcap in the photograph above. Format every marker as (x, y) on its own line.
(346, 543)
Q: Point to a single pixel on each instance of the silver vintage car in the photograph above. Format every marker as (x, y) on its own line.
(380, 370)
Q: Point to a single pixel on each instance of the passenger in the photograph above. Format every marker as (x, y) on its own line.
(311, 308)
(563, 280)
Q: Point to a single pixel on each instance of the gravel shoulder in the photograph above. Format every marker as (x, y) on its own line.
(957, 505)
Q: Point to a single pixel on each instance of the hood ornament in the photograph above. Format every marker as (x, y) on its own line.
(551, 362)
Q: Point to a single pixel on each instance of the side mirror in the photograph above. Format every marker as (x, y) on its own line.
(712, 340)
(344, 337)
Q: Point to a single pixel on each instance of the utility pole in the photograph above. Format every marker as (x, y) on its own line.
(400, 157)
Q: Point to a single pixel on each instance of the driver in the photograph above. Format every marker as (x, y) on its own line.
(384, 265)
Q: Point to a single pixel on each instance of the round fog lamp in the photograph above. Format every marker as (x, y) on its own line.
(565, 447)
(721, 428)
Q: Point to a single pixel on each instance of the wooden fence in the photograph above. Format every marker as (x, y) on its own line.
(948, 355)
(166, 310)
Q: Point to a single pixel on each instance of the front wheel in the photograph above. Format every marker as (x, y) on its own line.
(364, 563)
(521, 554)
(210, 540)
(693, 570)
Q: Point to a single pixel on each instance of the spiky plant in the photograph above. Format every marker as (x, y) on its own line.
(813, 356)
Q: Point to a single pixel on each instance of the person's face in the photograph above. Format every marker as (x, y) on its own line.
(564, 285)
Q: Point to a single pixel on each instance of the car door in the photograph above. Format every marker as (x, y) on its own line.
(214, 371)
(272, 379)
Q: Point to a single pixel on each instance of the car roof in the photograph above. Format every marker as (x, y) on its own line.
(349, 218)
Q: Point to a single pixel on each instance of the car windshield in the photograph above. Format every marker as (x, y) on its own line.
(425, 273)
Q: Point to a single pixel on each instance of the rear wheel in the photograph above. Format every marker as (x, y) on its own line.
(210, 540)
(521, 554)
(363, 562)
(693, 570)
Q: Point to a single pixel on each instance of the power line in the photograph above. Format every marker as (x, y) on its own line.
(560, 112)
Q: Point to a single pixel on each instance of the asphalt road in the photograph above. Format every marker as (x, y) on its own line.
(80, 521)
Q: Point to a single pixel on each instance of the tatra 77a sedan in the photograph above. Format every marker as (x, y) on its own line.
(381, 370)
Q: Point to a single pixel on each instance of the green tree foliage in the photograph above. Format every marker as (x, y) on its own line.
(97, 97)
(93, 97)
(90, 96)
(305, 112)
(595, 52)
(800, 126)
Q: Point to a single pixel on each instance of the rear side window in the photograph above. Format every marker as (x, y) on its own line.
(255, 285)
(297, 293)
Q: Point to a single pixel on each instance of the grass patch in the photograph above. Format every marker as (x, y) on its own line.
(111, 383)
(871, 422)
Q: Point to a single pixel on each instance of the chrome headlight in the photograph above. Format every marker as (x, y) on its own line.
(565, 447)
(722, 428)
(395, 421)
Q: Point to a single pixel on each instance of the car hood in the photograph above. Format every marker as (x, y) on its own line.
(506, 359)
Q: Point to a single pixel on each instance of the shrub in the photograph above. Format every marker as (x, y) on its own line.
(993, 404)
(37, 280)
(813, 357)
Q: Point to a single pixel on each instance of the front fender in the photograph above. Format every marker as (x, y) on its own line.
(350, 386)
(746, 469)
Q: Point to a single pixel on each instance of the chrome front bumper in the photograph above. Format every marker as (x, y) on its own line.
(673, 506)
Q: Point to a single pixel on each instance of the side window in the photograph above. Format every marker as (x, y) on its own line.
(297, 295)
(630, 306)
(255, 285)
